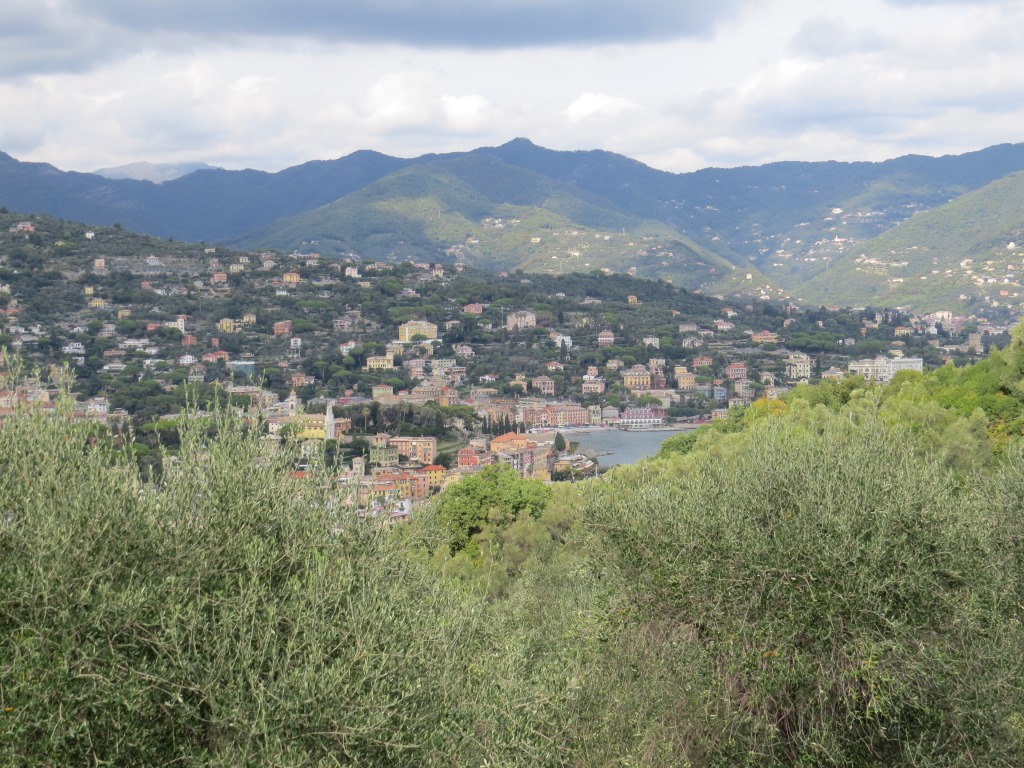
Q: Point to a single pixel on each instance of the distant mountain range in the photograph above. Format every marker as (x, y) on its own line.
(826, 232)
(158, 173)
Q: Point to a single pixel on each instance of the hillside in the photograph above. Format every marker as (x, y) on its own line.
(781, 223)
(480, 211)
(207, 205)
(966, 252)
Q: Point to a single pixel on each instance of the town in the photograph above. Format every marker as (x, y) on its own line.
(412, 375)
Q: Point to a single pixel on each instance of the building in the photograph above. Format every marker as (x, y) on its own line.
(407, 331)
(636, 377)
(882, 369)
(798, 367)
(642, 417)
(736, 371)
(379, 363)
(605, 339)
(384, 455)
(519, 320)
(561, 340)
(509, 441)
(685, 380)
(471, 457)
(544, 384)
(765, 337)
(421, 450)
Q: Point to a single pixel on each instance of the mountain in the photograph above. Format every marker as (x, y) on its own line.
(782, 223)
(155, 172)
(485, 212)
(966, 252)
(207, 205)
(797, 208)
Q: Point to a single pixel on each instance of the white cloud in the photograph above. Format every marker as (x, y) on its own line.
(597, 105)
(401, 100)
(92, 83)
(466, 113)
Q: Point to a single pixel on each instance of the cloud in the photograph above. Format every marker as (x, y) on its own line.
(829, 36)
(91, 83)
(597, 105)
(40, 37)
(400, 100)
(466, 113)
(464, 23)
(938, 3)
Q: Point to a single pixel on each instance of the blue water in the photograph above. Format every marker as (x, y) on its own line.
(622, 447)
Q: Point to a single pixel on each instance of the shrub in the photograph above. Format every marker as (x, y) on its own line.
(820, 596)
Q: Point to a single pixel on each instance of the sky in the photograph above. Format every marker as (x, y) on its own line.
(676, 84)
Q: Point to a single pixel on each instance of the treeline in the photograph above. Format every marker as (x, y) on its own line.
(837, 579)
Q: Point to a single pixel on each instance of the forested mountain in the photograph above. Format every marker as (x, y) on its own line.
(783, 223)
(972, 244)
(501, 217)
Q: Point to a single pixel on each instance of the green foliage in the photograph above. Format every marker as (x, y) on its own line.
(837, 579)
(496, 495)
(560, 444)
(210, 619)
(820, 596)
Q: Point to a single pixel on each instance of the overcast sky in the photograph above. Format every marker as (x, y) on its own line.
(676, 84)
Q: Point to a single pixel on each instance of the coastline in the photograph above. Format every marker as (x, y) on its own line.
(619, 446)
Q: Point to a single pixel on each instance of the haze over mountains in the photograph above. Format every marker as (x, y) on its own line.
(155, 172)
(824, 232)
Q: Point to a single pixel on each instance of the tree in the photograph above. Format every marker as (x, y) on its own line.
(559, 442)
(495, 495)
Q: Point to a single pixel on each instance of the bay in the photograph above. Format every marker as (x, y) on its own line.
(617, 446)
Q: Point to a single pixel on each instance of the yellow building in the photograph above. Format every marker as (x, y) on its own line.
(636, 377)
(380, 363)
(292, 278)
(406, 331)
(418, 449)
(227, 325)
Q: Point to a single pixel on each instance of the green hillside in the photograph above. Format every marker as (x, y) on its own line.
(969, 252)
(485, 213)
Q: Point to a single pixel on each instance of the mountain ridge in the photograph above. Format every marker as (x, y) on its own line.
(785, 222)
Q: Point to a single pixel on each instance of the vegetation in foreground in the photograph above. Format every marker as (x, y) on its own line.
(833, 580)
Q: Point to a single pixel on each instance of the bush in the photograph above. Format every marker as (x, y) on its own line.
(226, 616)
(820, 596)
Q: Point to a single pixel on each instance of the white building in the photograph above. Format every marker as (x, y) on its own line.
(882, 369)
